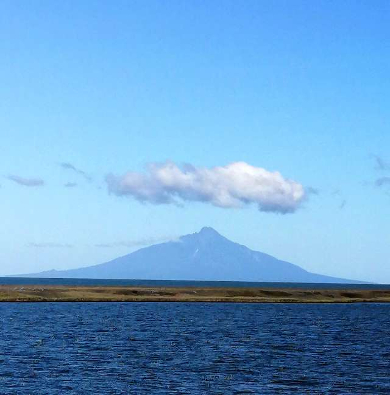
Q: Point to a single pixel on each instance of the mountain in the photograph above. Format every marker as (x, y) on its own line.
(202, 256)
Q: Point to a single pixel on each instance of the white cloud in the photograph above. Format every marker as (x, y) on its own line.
(50, 245)
(136, 243)
(69, 166)
(27, 182)
(70, 185)
(382, 181)
(381, 164)
(231, 186)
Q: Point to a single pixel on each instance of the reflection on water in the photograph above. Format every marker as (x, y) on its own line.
(198, 348)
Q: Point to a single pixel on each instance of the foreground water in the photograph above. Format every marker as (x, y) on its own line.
(184, 348)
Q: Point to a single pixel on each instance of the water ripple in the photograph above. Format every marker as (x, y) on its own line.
(202, 348)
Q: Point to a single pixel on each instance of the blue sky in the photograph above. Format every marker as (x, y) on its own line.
(298, 87)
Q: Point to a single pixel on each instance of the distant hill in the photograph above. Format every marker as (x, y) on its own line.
(202, 256)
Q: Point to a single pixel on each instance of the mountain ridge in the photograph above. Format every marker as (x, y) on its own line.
(202, 256)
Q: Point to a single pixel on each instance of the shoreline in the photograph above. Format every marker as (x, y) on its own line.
(63, 293)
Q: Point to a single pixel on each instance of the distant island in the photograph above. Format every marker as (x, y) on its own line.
(202, 256)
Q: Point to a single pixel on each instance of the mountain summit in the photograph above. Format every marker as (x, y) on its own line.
(202, 256)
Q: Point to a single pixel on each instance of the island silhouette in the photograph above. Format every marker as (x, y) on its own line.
(202, 256)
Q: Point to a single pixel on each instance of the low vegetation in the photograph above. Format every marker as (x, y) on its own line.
(14, 293)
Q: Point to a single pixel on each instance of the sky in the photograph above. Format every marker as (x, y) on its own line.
(128, 123)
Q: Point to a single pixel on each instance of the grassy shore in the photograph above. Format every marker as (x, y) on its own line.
(38, 293)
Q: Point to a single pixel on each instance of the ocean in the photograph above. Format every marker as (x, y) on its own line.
(187, 348)
(174, 283)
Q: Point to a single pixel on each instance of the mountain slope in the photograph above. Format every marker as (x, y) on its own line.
(206, 256)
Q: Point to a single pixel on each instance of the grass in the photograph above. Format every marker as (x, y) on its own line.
(22, 293)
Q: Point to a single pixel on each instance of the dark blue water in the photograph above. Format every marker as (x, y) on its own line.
(174, 283)
(187, 348)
